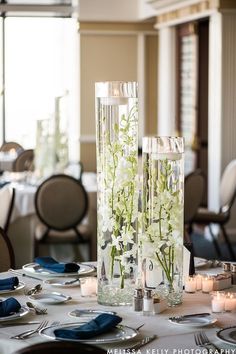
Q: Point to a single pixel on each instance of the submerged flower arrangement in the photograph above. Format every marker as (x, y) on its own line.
(118, 195)
(162, 237)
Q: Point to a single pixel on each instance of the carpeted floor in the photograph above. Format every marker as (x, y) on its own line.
(204, 247)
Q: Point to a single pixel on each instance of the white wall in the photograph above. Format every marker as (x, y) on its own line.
(108, 10)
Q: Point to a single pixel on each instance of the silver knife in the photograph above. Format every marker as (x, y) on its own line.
(19, 323)
(23, 274)
(143, 342)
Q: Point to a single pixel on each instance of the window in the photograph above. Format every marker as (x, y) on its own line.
(40, 67)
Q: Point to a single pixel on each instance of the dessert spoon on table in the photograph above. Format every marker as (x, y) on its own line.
(38, 310)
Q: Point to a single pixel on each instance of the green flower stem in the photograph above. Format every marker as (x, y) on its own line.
(164, 268)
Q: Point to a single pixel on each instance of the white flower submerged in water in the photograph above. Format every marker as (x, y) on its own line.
(118, 194)
(162, 236)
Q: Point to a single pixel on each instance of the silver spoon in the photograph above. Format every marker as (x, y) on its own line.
(38, 311)
(70, 281)
(36, 289)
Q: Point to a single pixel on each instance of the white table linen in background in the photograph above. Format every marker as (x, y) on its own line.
(24, 219)
(171, 337)
(7, 161)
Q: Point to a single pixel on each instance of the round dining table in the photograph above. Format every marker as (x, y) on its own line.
(171, 338)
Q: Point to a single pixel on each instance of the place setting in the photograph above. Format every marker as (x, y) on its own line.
(47, 266)
(10, 285)
(194, 320)
(62, 283)
(105, 328)
(11, 309)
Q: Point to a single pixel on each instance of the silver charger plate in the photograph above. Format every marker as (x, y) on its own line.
(117, 334)
(227, 335)
(49, 298)
(36, 269)
(88, 313)
(16, 315)
(20, 286)
(195, 321)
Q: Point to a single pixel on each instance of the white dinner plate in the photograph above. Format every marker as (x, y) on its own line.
(20, 286)
(88, 313)
(16, 315)
(117, 334)
(36, 269)
(227, 335)
(61, 282)
(49, 298)
(195, 321)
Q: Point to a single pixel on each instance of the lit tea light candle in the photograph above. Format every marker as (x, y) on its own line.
(190, 285)
(218, 302)
(88, 286)
(207, 284)
(198, 278)
(230, 302)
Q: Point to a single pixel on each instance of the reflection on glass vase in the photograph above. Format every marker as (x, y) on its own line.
(117, 173)
(161, 241)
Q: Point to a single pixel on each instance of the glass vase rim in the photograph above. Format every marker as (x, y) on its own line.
(116, 82)
(163, 144)
(162, 136)
(116, 89)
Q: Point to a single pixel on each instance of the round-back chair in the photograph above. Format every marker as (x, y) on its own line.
(7, 258)
(61, 203)
(7, 146)
(7, 197)
(59, 347)
(24, 161)
(227, 197)
(194, 186)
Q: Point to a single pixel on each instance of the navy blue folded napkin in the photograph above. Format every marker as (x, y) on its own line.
(101, 324)
(52, 264)
(9, 283)
(9, 306)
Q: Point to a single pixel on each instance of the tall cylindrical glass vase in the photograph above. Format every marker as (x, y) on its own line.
(162, 216)
(117, 201)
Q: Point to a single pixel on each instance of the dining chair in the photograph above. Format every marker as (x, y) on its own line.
(7, 146)
(7, 258)
(60, 347)
(24, 161)
(227, 197)
(61, 204)
(194, 186)
(7, 197)
(75, 169)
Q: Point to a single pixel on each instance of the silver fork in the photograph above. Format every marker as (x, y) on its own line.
(28, 333)
(142, 342)
(202, 340)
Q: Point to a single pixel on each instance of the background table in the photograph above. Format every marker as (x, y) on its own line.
(170, 336)
(7, 161)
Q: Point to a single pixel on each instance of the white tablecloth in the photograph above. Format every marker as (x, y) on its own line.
(24, 219)
(7, 161)
(171, 337)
